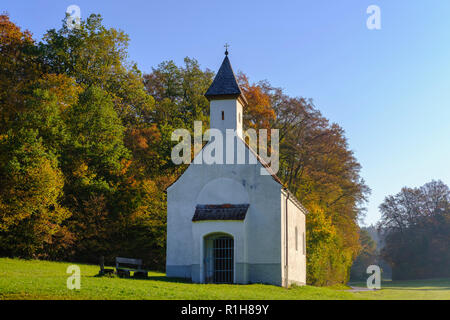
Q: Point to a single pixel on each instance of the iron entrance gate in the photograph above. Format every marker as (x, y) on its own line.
(219, 262)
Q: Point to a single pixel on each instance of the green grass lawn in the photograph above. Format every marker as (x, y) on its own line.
(23, 279)
(431, 289)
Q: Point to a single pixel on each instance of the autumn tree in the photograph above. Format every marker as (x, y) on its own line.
(19, 65)
(259, 113)
(179, 101)
(30, 190)
(367, 256)
(318, 167)
(416, 227)
(97, 56)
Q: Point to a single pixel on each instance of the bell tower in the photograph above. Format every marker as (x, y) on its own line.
(226, 100)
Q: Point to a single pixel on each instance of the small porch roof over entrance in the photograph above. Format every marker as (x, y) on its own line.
(231, 212)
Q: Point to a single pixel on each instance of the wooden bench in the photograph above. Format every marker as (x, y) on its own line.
(104, 271)
(125, 265)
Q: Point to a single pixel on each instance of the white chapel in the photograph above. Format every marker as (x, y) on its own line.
(229, 223)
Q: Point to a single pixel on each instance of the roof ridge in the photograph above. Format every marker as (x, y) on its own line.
(274, 175)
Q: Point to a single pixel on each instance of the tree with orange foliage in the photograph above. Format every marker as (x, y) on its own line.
(259, 113)
(316, 164)
(19, 65)
(319, 168)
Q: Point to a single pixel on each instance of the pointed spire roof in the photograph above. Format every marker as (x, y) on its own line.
(225, 84)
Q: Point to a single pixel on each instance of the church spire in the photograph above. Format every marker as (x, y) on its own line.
(225, 85)
(226, 100)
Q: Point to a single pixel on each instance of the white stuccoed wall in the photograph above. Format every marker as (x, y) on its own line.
(259, 240)
(296, 258)
(237, 229)
(229, 184)
(233, 115)
(223, 190)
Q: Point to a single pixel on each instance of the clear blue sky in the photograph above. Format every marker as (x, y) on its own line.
(389, 89)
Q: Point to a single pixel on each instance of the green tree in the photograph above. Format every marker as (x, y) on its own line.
(43, 114)
(96, 56)
(96, 145)
(179, 93)
(366, 257)
(93, 161)
(179, 101)
(30, 213)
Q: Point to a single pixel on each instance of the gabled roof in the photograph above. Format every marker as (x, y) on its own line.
(220, 212)
(275, 177)
(225, 84)
(262, 162)
(268, 168)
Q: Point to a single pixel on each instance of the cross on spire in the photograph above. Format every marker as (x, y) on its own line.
(226, 48)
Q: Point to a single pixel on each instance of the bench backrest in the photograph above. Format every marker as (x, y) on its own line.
(136, 262)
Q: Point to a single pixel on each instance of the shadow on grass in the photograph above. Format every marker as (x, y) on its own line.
(152, 278)
(165, 279)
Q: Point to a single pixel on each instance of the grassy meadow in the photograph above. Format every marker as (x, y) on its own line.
(33, 279)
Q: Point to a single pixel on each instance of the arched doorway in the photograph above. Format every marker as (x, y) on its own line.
(219, 258)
